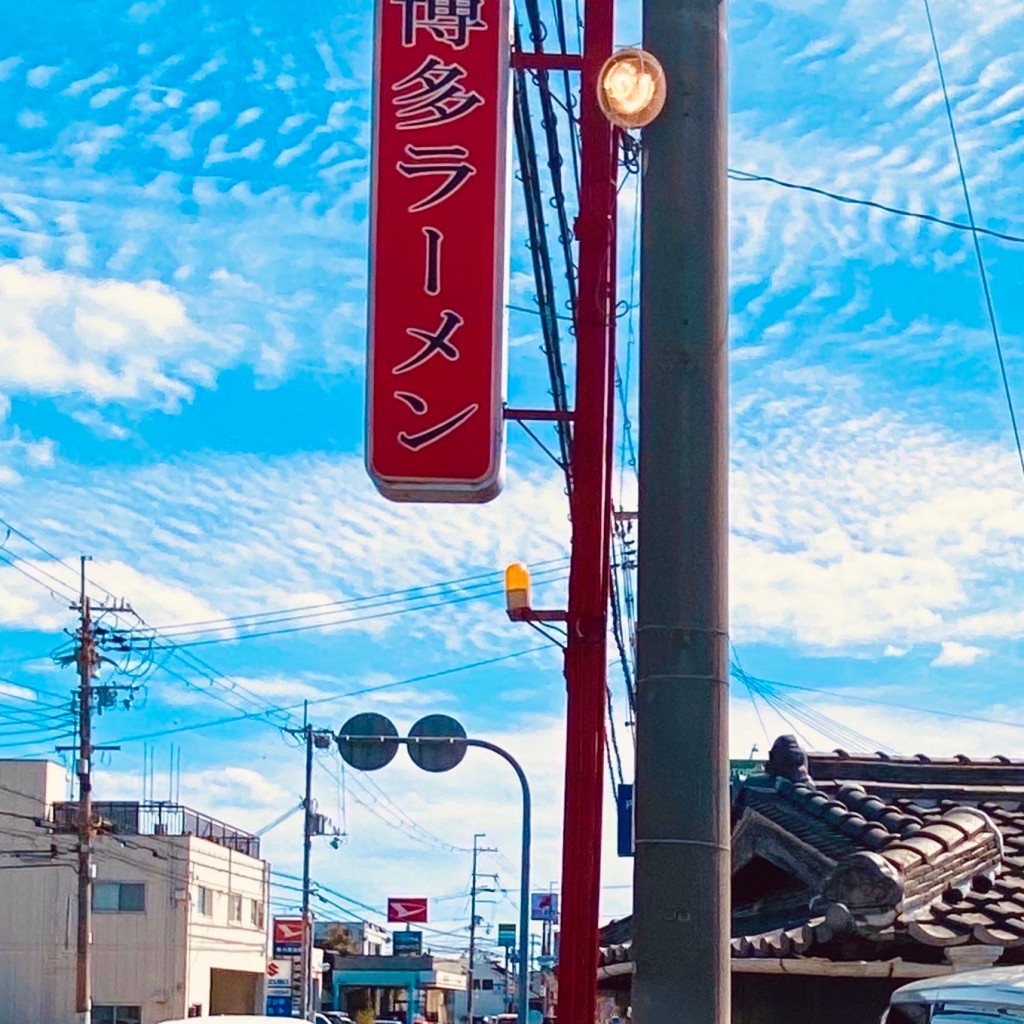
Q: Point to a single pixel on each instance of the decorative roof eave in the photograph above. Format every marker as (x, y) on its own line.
(814, 966)
(755, 835)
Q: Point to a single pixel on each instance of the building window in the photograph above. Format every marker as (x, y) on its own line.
(256, 913)
(235, 909)
(117, 1015)
(123, 897)
(204, 901)
(484, 984)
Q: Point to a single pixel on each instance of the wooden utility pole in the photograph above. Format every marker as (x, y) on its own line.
(86, 665)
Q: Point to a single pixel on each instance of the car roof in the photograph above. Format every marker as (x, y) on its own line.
(1004, 985)
(228, 1018)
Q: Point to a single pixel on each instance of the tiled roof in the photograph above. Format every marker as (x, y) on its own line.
(925, 851)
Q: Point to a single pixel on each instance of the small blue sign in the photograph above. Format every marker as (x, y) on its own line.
(624, 800)
(407, 943)
(279, 1006)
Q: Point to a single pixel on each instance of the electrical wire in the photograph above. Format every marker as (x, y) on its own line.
(386, 597)
(749, 176)
(975, 235)
(256, 715)
(429, 606)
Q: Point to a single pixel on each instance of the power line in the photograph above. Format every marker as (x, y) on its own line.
(256, 715)
(975, 235)
(385, 597)
(749, 176)
(495, 592)
(957, 716)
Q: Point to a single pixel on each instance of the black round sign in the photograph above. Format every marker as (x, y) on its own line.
(436, 756)
(368, 754)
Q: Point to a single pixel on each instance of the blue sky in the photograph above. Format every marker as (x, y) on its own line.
(183, 202)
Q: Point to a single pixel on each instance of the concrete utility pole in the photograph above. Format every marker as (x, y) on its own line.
(311, 826)
(86, 664)
(477, 850)
(682, 864)
(307, 848)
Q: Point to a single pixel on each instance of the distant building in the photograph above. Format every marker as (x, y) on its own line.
(352, 938)
(179, 901)
(398, 988)
(493, 990)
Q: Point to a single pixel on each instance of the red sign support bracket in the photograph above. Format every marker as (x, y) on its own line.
(557, 415)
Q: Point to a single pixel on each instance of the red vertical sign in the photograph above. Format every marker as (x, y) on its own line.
(437, 250)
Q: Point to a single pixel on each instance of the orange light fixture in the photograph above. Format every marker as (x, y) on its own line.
(631, 88)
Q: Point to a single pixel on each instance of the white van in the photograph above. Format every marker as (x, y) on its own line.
(993, 996)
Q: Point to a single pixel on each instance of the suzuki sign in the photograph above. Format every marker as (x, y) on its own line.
(438, 250)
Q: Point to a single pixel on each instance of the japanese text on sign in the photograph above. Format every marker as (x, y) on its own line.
(438, 250)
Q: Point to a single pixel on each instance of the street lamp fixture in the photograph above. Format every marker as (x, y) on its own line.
(518, 598)
(517, 587)
(631, 88)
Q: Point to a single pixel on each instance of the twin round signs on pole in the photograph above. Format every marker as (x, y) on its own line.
(378, 749)
(438, 250)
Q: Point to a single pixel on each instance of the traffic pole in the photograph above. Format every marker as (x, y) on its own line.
(590, 506)
(682, 862)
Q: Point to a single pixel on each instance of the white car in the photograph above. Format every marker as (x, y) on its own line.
(228, 1018)
(993, 996)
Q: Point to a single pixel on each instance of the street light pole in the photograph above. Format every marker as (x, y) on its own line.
(349, 739)
(682, 864)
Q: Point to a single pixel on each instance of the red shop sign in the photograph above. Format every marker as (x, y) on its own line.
(438, 250)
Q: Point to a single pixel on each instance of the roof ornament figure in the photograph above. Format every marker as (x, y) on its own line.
(787, 760)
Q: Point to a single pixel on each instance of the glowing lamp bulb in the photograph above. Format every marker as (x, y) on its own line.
(517, 587)
(631, 88)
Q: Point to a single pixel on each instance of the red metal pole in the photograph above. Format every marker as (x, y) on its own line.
(586, 653)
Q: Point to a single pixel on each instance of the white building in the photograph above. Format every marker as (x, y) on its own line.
(179, 908)
(493, 990)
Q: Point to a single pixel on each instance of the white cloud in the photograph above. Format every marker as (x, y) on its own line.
(956, 655)
(293, 121)
(142, 10)
(82, 85)
(7, 66)
(204, 110)
(42, 75)
(209, 67)
(248, 115)
(92, 419)
(31, 119)
(106, 96)
(102, 340)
